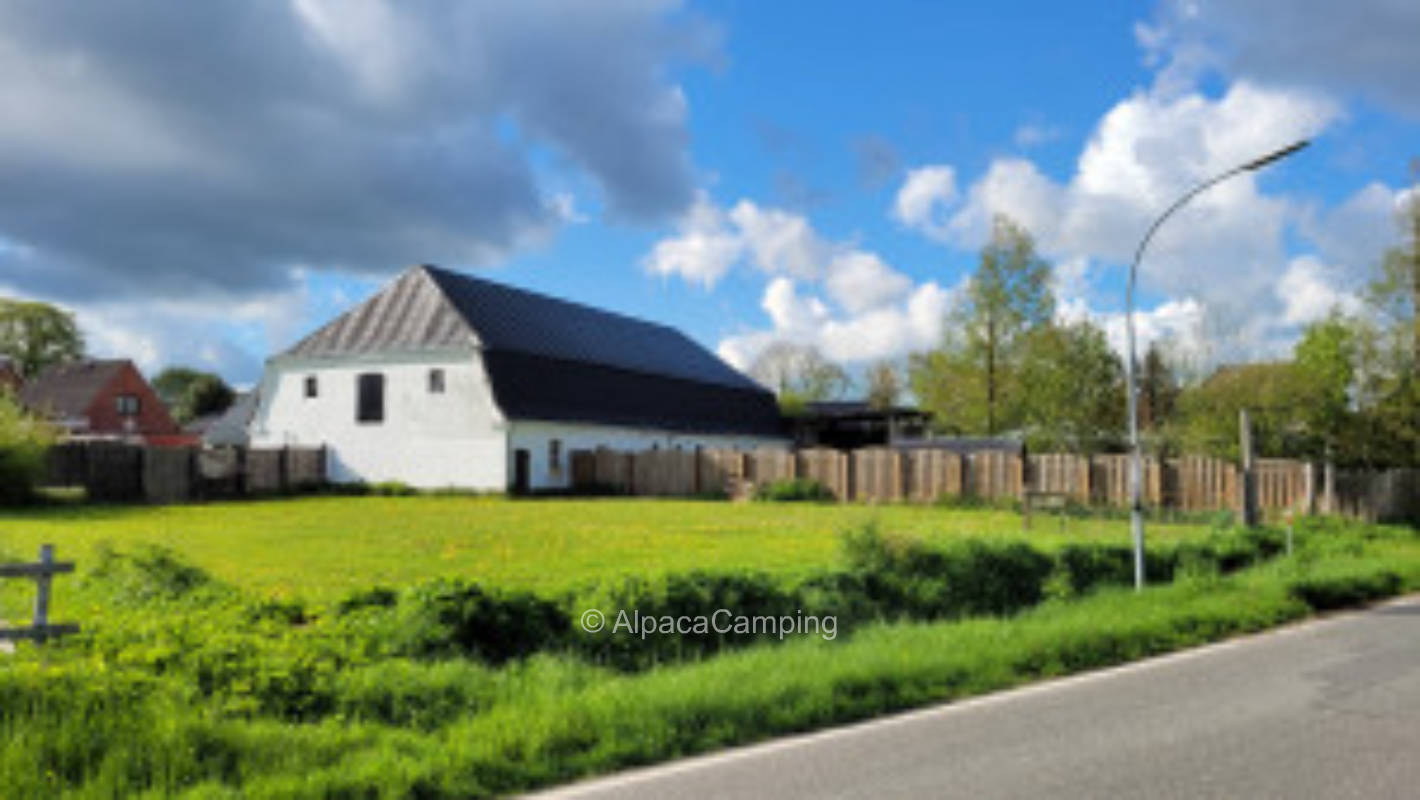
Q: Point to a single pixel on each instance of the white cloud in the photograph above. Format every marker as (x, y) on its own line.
(1308, 292)
(924, 197)
(886, 331)
(704, 249)
(860, 281)
(781, 242)
(847, 301)
(1225, 252)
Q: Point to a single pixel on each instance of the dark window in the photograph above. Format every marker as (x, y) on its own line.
(370, 397)
(127, 405)
(554, 455)
(312, 388)
(436, 381)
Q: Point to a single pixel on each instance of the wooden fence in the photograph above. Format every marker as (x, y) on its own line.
(883, 475)
(113, 472)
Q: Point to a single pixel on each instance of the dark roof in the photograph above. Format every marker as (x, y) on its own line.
(550, 359)
(228, 426)
(858, 409)
(66, 391)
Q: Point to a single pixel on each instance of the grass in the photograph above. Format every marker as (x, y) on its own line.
(320, 548)
(460, 729)
(205, 686)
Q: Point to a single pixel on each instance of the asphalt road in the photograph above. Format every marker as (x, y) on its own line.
(1329, 708)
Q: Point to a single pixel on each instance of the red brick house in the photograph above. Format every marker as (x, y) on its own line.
(93, 399)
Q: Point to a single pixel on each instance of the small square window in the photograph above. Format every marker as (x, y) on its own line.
(554, 455)
(312, 387)
(436, 381)
(126, 405)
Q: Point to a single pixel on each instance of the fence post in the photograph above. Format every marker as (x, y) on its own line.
(1249, 478)
(42, 579)
(1328, 491)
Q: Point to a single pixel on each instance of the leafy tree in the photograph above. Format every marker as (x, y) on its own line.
(37, 335)
(1389, 347)
(23, 442)
(172, 383)
(208, 394)
(971, 382)
(1076, 382)
(1158, 389)
(1325, 362)
(884, 385)
(189, 393)
(799, 374)
(1273, 394)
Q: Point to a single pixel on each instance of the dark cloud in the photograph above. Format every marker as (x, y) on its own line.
(180, 148)
(1365, 47)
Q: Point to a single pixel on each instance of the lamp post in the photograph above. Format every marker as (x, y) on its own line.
(1136, 460)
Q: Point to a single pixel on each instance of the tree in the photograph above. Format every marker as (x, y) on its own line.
(23, 442)
(172, 383)
(1325, 361)
(190, 393)
(1076, 382)
(1388, 387)
(970, 383)
(798, 374)
(884, 385)
(1272, 392)
(1158, 389)
(36, 335)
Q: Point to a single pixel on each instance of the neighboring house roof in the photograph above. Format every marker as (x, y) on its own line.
(227, 427)
(550, 359)
(859, 409)
(66, 391)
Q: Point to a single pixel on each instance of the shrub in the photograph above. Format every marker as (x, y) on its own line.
(691, 595)
(457, 618)
(907, 578)
(1349, 586)
(797, 490)
(24, 441)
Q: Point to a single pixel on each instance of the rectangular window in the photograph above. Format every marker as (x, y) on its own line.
(370, 397)
(554, 455)
(436, 381)
(312, 388)
(127, 405)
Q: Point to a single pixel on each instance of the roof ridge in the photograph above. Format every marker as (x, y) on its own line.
(434, 270)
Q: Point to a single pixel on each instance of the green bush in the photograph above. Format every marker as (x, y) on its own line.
(1342, 588)
(796, 490)
(689, 595)
(905, 578)
(24, 440)
(453, 617)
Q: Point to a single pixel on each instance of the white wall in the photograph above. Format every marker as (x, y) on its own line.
(535, 437)
(428, 440)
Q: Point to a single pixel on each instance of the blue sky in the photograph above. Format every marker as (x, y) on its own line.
(747, 171)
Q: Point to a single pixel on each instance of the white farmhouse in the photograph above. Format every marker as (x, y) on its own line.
(443, 380)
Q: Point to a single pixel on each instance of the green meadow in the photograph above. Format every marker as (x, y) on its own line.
(319, 548)
(429, 647)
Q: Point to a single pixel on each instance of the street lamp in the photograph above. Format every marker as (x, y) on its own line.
(1136, 461)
